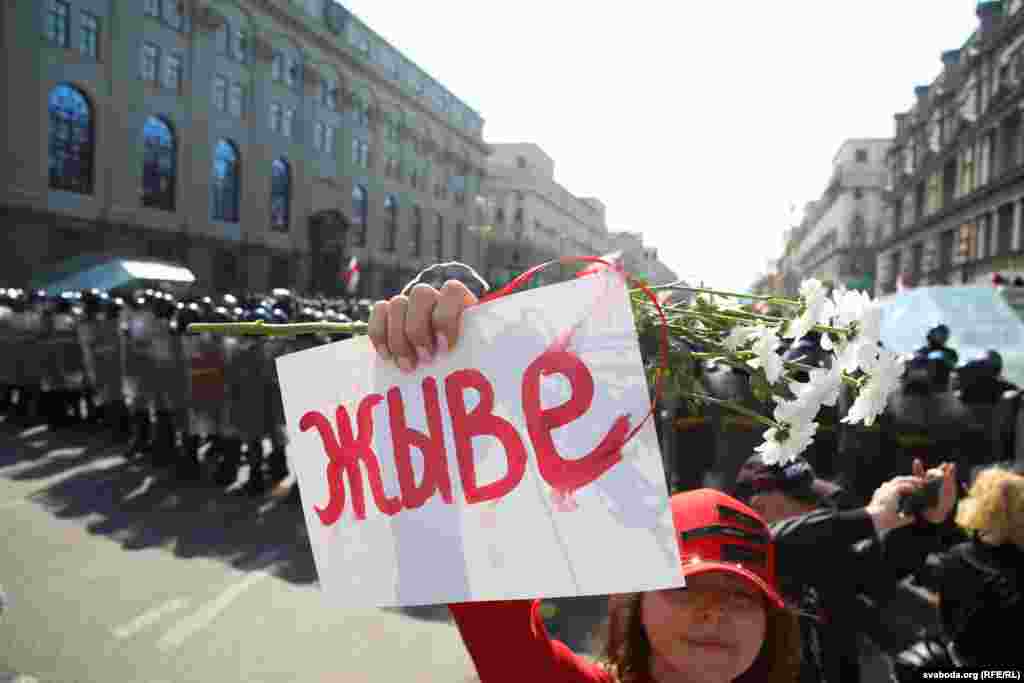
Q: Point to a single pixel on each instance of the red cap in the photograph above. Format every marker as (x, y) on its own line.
(716, 532)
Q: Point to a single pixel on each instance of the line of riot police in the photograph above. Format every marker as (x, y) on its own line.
(943, 412)
(202, 404)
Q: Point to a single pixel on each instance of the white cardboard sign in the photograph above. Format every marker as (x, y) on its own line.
(531, 404)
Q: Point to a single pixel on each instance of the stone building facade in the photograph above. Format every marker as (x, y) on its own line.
(957, 164)
(262, 143)
(535, 219)
(840, 231)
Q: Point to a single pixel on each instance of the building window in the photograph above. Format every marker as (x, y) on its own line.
(439, 238)
(238, 45)
(226, 182)
(174, 14)
(360, 153)
(319, 133)
(521, 161)
(361, 115)
(280, 195)
(499, 216)
(150, 62)
(70, 140)
(90, 36)
(329, 94)
(391, 209)
(159, 170)
(287, 122)
(416, 246)
(235, 100)
(57, 23)
(329, 140)
(275, 117)
(151, 8)
(172, 73)
(291, 71)
(862, 156)
(220, 93)
(858, 193)
(360, 211)
(277, 67)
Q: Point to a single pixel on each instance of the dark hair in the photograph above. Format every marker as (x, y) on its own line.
(626, 650)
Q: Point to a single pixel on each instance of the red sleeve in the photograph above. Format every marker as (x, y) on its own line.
(508, 643)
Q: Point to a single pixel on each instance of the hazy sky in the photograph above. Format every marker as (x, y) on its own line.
(697, 123)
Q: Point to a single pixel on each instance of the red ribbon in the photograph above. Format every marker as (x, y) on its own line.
(525, 277)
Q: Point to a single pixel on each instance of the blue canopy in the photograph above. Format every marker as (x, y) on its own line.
(978, 317)
(111, 273)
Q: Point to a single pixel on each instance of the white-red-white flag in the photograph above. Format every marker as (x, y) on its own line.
(351, 276)
(614, 258)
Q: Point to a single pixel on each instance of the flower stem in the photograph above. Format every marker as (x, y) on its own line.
(735, 407)
(675, 286)
(262, 329)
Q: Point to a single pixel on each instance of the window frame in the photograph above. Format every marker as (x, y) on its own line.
(287, 121)
(169, 194)
(239, 111)
(58, 23)
(173, 64)
(150, 53)
(70, 144)
(360, 214)
(219, 210)
(276, 116)
(89, 35)
(281, 162)
(221, 85)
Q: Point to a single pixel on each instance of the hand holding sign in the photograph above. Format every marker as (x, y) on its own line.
(517, 412)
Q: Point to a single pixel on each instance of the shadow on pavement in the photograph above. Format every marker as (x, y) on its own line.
(141, 506)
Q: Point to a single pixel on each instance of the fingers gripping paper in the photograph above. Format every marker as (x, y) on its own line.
(496, 472)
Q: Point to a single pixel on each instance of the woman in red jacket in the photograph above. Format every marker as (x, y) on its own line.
(728, 624)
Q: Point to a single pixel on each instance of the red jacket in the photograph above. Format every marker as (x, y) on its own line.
(508, 642)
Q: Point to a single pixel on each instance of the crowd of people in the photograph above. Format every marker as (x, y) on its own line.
(785, 571)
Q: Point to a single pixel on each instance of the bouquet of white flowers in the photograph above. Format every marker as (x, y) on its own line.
(717, 326)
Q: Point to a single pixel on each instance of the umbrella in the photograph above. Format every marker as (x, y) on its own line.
(111, 273)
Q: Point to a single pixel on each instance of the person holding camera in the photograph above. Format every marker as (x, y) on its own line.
(830, 557)
(980, 583)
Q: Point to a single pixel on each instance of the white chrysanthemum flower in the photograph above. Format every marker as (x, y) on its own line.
(775, 451)
(857, 308)
(884, 375)
(818, 310)
(767, 358)
(822, 388)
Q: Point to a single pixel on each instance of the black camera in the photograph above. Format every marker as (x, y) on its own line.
(927, 496)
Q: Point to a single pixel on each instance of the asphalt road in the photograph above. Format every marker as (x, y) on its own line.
(115, 572)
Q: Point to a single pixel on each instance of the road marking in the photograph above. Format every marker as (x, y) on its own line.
(32, 431)
(149, 618)
(203, 617)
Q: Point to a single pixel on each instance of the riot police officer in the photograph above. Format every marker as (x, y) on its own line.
(932, 364)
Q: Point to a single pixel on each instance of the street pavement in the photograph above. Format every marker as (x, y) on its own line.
(114, 572)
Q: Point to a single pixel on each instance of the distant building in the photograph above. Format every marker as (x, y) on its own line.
(840, 231)
(957, 164)
(260, 143)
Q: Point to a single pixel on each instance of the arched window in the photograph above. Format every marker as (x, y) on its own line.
(226, 182)
(360, 209)
(159, 168)
(417, 231)
(280, 195)
(391, 209)
(71, 140)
